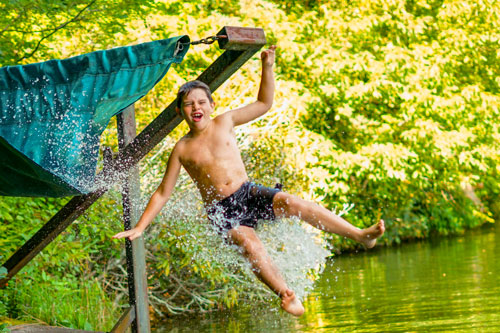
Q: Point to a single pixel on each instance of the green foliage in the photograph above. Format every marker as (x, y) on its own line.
(30, 27)
(298, 7)
(71, 268)
(81, 303)
(20, 217)
(407, 95)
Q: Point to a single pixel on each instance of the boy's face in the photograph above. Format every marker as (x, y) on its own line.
(196, 108)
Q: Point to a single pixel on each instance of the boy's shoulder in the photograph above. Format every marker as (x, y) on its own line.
(181, 149)
(182, 142)
(226, 119)
(223, 116)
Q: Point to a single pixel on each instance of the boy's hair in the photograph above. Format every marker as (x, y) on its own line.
(187, 87)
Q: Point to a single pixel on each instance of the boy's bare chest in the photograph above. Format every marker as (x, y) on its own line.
(207, 152)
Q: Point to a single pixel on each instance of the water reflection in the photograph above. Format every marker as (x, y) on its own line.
(445, 284)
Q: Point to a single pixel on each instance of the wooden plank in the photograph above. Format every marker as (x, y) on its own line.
(135, 252)
(214, 76)
(34, 328)
(124, 322)
(241, 38)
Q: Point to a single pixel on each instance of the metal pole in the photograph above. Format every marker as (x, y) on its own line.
(136, 262)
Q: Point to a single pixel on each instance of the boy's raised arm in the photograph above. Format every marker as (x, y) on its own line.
(158, 199)
(265, 96)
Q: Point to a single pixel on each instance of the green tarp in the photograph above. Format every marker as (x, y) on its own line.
(53, 113)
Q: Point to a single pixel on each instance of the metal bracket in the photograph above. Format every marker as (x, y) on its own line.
(239, 38)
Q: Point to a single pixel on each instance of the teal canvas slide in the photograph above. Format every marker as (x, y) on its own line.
(53, 113)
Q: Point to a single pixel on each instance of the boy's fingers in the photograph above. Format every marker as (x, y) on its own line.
(270, 50)
(121, 234)
(130, 234)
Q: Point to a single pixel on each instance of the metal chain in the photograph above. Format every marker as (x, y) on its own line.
(208, 40)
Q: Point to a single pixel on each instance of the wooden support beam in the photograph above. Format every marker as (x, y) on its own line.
(239, 38)
(70, 212)
(124, 322)
(136, 260)
(214, 76)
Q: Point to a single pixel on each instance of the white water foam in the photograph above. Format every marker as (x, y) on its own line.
(297, 249)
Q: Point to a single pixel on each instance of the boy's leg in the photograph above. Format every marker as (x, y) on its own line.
(287, 205)
(264, 268)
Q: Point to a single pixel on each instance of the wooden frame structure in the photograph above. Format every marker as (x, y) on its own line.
(240, 44)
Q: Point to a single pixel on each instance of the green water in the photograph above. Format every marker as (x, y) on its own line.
(445, 284)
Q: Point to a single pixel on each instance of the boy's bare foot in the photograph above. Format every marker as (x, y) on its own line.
(370, 235)
(291, 304)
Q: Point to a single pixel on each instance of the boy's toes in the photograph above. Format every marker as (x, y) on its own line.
(291, 304)
(381, 226)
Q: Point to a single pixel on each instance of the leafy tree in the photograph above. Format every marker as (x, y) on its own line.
(28, 28)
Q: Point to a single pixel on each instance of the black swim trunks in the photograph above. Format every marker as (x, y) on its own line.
(250, 203)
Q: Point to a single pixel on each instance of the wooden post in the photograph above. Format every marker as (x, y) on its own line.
(136, 262)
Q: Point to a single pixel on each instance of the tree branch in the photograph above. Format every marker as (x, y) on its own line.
(11, 23)
(56, 29)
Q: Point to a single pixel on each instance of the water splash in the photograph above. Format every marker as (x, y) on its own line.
(298, 250)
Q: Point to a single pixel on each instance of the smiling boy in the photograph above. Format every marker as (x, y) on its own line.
(210, 155)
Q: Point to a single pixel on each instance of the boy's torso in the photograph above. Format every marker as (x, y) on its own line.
(213, 160)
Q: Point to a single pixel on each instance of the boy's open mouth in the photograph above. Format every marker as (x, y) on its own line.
(197, 116)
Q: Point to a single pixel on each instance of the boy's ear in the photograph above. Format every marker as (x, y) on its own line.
(179, 112)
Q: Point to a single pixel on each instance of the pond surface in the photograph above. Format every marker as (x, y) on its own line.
(444, 284)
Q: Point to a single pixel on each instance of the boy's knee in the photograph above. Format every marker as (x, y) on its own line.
(289, 205)
(251, 246)
(247, 240)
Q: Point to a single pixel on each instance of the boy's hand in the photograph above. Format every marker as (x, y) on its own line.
(267, 56)
(131, 234)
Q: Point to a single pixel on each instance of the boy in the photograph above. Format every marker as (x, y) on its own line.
(210, 155)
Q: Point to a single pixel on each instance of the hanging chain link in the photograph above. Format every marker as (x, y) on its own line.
(208, 40)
